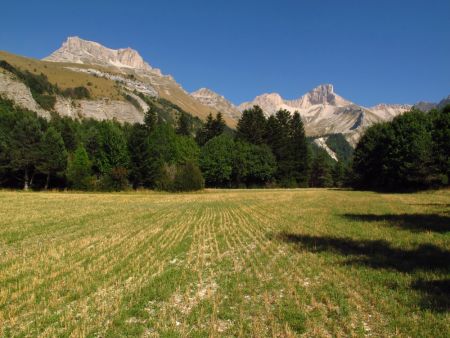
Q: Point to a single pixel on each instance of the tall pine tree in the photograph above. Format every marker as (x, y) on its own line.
(150, 119)
(24, 147)
(299, 149)
(321, 171)
(213, 127)
(53, 154)
(139, 149)
(184, 125)
(251, 126)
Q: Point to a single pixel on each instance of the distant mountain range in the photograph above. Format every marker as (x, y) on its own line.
(325, 112)
(426, 106)
(120, 80)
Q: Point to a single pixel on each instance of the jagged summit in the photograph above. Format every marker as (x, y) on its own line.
(325, 112)
(321, 95)
(77, 50)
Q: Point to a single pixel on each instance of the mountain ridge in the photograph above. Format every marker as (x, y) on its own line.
(325, 112)
(119, 75)
(113, 78)
(127, 61)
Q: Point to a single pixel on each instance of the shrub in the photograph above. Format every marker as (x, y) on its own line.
(184, 177)
(47, 102)
(165, 177)
(115, 180)
(77, 93)
(188, 178)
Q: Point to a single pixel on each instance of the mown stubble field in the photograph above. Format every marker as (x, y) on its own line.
(317, 263)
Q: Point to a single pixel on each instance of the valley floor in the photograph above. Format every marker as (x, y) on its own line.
(309, 262)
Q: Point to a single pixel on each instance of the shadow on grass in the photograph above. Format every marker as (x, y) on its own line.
(375, 253)
(379, 254)
(413, 222)
(437, 205)
(435, 294)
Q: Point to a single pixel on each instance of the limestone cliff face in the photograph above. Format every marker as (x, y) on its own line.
(123, 111)
(76, 50)
(20, 94)
(105, 109)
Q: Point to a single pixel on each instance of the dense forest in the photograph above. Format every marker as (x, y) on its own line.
(173, 151)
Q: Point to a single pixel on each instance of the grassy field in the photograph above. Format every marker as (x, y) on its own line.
(317, 263)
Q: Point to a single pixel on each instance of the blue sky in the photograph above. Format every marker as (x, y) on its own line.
(372, 51)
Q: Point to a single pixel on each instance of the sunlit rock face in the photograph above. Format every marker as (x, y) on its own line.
(325, 112)
(220, 103)
(76, 50)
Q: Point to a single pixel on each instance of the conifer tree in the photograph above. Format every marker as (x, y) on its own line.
(24, 147)
(213, 127)
(139, 149)
(150, 119)
(321, 171)
(218, 125)
(184, 126)
(251, 126)
(53, 154)
(338, 174)
(300, 151)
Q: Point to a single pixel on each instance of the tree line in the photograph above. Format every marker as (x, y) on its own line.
(410, 152)
(87, 154)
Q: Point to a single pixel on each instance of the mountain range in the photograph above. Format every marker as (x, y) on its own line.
(120, 81)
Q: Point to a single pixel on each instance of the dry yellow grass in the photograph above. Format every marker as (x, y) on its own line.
(58, 74)
(219, 263)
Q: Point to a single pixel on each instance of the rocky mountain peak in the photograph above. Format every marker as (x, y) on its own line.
(322, 94)
(323, 90)
(212, 99)
(205, 92)
(271, 99)
(77, 50)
